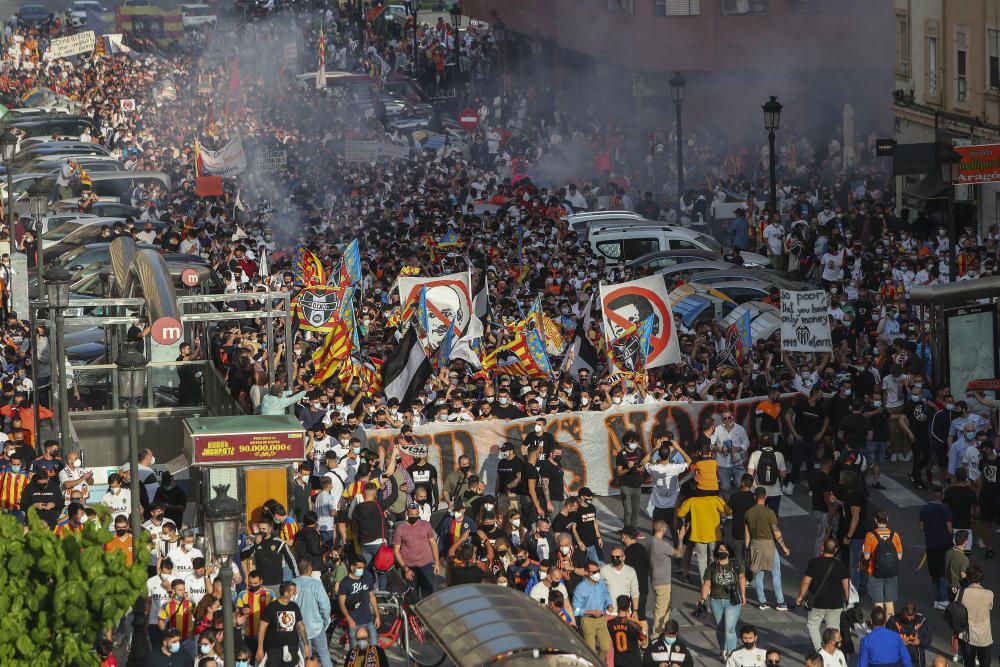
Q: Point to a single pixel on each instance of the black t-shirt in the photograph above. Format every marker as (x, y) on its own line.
(919, 415)
(625, 638)
(724, 578)
(855, 427)
(555, 475)
(830, 572)
(509, 411)
(960, 499)
(637, 558)
(862, 314)
(880, 425)
(529, 472)
(849, 500)
(837, 409)
(561, 522)
(466, 574)
(820, 483)
(988, 471)
(633, 478)
(507, 470)
(702, 444)
(740, 502)
(546, 441)
(586, 524)
(424, 477)
(282, 620)
(357, 594)
(864, 382)
(808, 419)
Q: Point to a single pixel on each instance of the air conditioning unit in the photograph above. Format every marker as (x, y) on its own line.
(735, 6)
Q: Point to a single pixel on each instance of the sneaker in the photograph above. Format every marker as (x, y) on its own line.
(907, 457)
(763, 605)
(878, 485)
(894, 458)
(940, 605)
(980, 544)
(956, 658)
(725, 656)
(781, 607)
(788, 489)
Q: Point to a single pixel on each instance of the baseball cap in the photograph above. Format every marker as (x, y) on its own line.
(506, 447)
(585, 492)
(412, 506)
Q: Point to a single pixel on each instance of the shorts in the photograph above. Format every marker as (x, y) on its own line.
(989, 509)
(883, 590)
(875, 451)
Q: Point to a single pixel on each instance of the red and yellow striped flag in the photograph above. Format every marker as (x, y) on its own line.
(336, 347)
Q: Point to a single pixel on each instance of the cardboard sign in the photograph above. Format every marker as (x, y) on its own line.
(64, 47)
(805, 321)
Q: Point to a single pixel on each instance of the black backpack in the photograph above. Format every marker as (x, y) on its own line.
(766, 473)
(956, 615)
(886, 558)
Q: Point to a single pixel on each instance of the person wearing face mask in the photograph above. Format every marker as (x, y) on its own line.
(169, 653)
(365, 652)
(282, 638)
(74, 477)
(457, 481)
(122, 540)
(591, 602)
(172, 498)
(508, 477)
(184, 553)
(668, 650)
(177, 613)
(13, 481)
(45, 497)
(628, 469)
(455, 526)
(425, 476)
(621, 579)
(415, 547)
(915, 422)
(539, 436)
(830, 652)
(117, 500)
(748, 655)
(724, 589)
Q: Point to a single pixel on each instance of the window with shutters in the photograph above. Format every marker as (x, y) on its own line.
(677, 7)
(932, 61)
(961, 65)
(993, 60)
(902, 45)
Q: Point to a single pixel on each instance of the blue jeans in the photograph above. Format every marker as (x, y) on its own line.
(368, 552)
(372, 634)
(758, 582)
(727, 615)
(729, 477)
(858, 578)
(319, 646)
(594, 555)
(423, 580)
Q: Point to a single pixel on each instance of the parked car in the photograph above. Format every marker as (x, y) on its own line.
(78, 12)
(197, 15)
(33, 16)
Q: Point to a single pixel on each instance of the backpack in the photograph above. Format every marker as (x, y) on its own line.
(956, 616)
(766, 473)
(886, 558)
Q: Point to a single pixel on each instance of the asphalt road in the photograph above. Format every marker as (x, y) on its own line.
(786, 630)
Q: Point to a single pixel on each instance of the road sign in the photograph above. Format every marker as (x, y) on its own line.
(468, 119)
(167, 330)
(189, 277)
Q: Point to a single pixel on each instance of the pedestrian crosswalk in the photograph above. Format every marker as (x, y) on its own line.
(897, 494)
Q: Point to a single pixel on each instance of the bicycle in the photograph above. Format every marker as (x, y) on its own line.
(400, 627)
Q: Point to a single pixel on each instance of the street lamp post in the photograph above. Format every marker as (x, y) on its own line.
(950, 160)
(39, 195)
(57, 282)
(677, 84)
(8, 146)
(131, 387)
(223, 516)
(772, 118)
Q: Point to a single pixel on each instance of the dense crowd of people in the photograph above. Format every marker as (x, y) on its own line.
(363, 519)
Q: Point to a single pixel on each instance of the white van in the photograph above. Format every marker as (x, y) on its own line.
(625, 236)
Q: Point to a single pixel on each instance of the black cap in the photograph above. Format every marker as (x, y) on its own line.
(506, 447)
(585, 492)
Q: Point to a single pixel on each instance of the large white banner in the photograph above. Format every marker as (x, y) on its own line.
(448, 298)
(805, 321)
(628, 304)
(227, 161)
(589, 440)
(64, 47)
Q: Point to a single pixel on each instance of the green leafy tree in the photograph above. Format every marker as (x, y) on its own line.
(57, 595)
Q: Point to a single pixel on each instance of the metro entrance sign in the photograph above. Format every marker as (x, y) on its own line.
(166, 330)
(468, 119)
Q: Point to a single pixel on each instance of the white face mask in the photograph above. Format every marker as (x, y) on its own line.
(538, 429)
(565, 550)
(595, 576)
(516, 523)
(77, 463)
(488, 507)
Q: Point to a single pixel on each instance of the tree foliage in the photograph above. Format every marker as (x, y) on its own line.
(58, 594)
